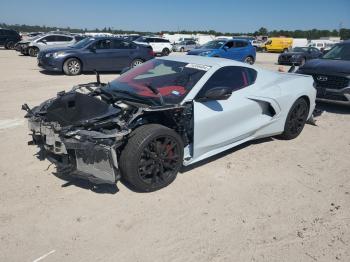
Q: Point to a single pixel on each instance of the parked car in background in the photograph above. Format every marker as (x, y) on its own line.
(185, 46)
(331, 74)
(159, 45)
(8, 38)
(173, 111)
(299, 55)
(43, 42)
(258, 44)
(100, 53)
(235, 49)
(132, 37)
(278, 44)
(322, 45)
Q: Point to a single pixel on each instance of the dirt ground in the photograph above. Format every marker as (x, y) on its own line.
(270, 200)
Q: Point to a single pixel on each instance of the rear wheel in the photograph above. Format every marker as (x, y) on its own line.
(10, 45)
(165, 52)
(152, 158)
(182, 49)
(136, 62)
(285, 50)
(249, 60)
(296, 119)
(33, 51)
(72, 67)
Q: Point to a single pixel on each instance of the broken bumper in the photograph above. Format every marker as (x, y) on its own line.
(76, 155)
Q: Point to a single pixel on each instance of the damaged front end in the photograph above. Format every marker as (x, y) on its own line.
(80, 132)
(84, 130)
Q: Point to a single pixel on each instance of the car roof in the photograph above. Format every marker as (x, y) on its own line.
(202, 60)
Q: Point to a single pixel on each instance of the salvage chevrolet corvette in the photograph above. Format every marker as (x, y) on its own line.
(168, 112)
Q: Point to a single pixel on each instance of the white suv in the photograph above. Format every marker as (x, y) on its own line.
(159, 45)
(49, 41)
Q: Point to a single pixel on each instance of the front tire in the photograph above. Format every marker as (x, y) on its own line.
(33, 51)
(72, 67)
(182, 49)
(296, 119)
(165, 52)
(151, 158)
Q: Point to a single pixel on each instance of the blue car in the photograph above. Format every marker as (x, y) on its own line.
(235, 49)
(99, 53)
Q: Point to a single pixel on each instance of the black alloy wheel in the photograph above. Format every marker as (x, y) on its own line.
(151, 158)
(296, 119)
(159, 159)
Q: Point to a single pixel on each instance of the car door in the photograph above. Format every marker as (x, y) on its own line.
(122, 53)
(239, 50)
(98, 55)
(62, 41)
(219, 123)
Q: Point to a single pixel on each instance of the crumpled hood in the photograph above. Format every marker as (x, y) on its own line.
(74, 108)
(198, 51)
(326, 66)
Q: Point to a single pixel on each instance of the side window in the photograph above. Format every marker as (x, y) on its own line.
(239, 44)
(233, 77)
(122, 44)
(229, 44)
(50, 38)
(150, 40)
(103, 44)
(191, 43)
(61, 38)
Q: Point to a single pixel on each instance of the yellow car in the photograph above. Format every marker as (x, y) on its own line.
(278, 44)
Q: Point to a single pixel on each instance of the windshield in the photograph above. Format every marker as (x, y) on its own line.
(300, 49)
(214, 44)
(83, 43)
(140, 39)
(338, 52)
(173, 80)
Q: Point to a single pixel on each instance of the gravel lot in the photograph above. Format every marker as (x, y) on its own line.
(269, 201)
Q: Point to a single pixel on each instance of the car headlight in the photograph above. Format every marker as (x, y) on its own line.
(205, 53)
(58, 54)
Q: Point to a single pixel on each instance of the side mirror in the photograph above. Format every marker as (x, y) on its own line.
(125, 69)
(216, 93)
(44, 41)
(225, 47)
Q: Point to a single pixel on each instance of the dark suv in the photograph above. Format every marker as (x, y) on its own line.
(8, 38)
(331, 74)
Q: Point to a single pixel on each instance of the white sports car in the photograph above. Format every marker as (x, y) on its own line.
(168, 112)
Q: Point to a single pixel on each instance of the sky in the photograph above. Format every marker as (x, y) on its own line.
(158, 15)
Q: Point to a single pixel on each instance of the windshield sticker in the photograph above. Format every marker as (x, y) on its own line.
(199, 67)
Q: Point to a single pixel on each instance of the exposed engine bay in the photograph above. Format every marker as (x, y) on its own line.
(84, 130)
